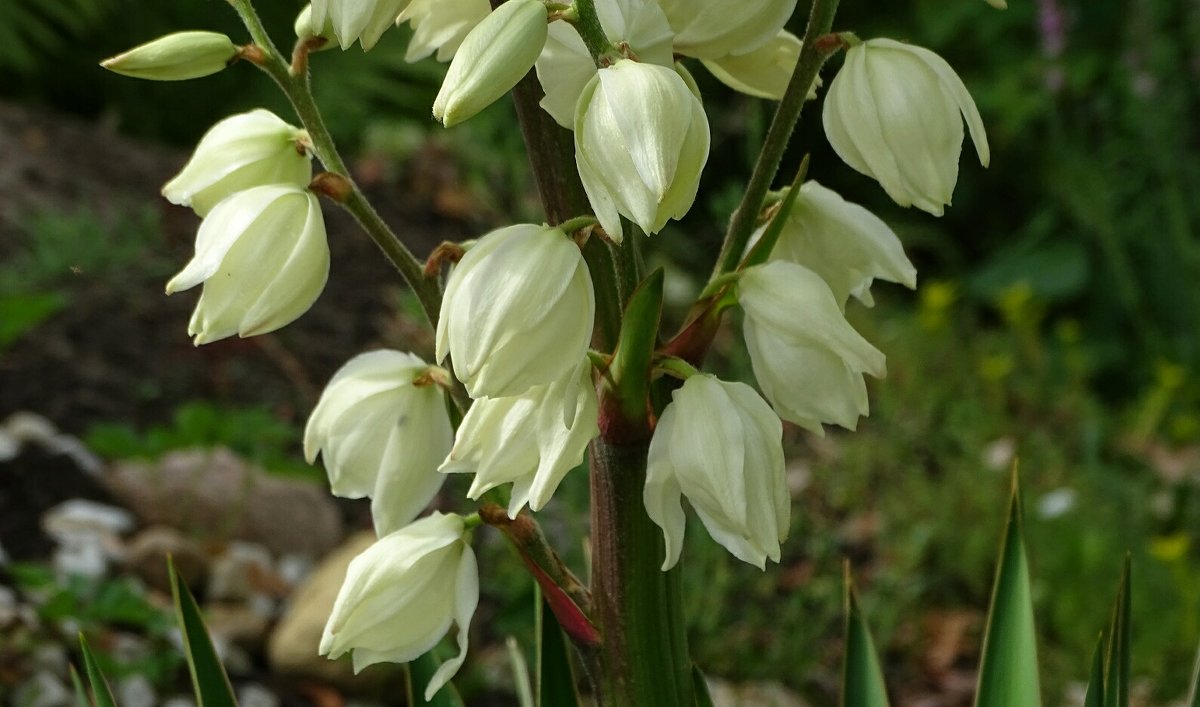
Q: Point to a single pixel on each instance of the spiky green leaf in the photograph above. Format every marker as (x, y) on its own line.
(862, 676)
(1116, 661)
(101, 692)
(556, 684)
(1095, 689)
(1008, 671)
(1193, 699)
(209, 680)
(700, 687)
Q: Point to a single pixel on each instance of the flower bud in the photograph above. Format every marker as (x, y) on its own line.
(382, 434)
(710, 29)
(719, 444)
(566, 66)
(517, 312)
(175, 57)
(641, 141)
(362, 21)
(893, 113)
(764, 72)
(847, 245)
(401, 595)
(493, 57)
(245, 150)
(523, 439)
(440, 26)
(263, 259)
(807, 358)
(305, 28)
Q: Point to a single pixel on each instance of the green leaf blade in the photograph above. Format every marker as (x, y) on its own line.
(1117, 660)
(1008, 672)
(862, 676)
(209, 680)
(101, 692)
(1095, 689)
(556, 683)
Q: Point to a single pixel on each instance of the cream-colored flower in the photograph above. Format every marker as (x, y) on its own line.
(494, 56)
(517, 312)
(565, 66)
(352, 21)
(524, 440)
(641, 142)
(711, 29)
(402, 594)
(844, 243)
(440, 25)
(895, 113)
(807, 358)
(263, 259)
(763, 72)
(245, 150)
(382, 429)
(719, 444)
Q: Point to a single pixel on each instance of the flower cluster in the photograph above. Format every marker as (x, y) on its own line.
(518, 307)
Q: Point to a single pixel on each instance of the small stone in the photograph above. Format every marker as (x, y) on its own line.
(135, 691)
(241, 572)
(146, 556)
(43, 689)
(252, 695)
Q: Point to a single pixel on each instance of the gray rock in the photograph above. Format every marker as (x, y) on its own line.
(217, 496)
(752, 694)
(43, 689)
(253, 695)
(135, 691)
(146, 556)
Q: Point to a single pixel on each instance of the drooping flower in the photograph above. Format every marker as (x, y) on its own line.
(763, 72)
(710, 29)
(401, 595)
(807, 358)
(352, 21)
(844, 243)
(641, 142)
(524, 440)
(440, 25)
(263, 258)
(565, 66)
(517, 311)
(719, 444)
(895, 113)
(175, 57)
(494, 56)
(242, 151)
(382, 429)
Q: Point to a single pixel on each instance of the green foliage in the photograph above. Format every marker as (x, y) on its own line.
(254, 433)
(1116, 653)
(209, 680)
(101, 693)
(556, 682)
(1008, 670)
(22, 313)
(30, 30)
(862, 677)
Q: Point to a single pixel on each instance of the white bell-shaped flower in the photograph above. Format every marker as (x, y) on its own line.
(352, 21)
(517, 312)
(807, 358)
(711, 29)
(440, 25)
(565, 66)
(844, 243)
(895, 113)
(245, 150)
(402, 594)
(263, 258)
(494, 56)
(382, 428)
(641, 142)
(763, 72)
(719, 444)
(524, 440)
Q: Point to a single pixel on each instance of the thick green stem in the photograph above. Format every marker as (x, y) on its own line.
(812, 57)
(587, 23)
(638, 606)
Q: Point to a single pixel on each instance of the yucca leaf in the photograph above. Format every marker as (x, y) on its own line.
(555, 675)
(209, 680)
(1193, 699)
(81, 694)
(520, 673)
(700, 687)
(419, 672)
(1008, 671)
(1116, 661)
(101, 693)
(1095, 689)
(862, 676)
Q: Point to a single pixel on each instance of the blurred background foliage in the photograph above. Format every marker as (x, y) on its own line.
(1056, 319)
